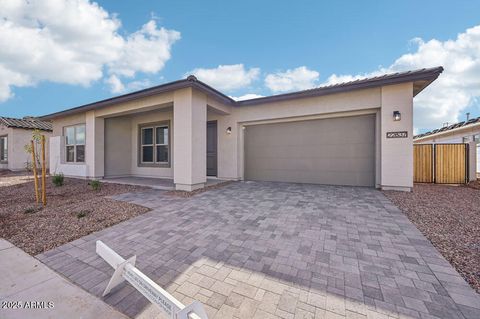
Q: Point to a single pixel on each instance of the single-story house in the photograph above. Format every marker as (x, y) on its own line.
(463, 132)
(357, 133)
(14, 135)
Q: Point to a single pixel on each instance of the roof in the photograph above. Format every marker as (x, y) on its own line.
(29, 123)
(456, 126)
(421, 78)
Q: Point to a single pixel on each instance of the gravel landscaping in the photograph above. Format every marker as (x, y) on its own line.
(73, 211)
(449, 216)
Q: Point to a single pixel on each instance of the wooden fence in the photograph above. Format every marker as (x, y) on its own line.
(440, 163)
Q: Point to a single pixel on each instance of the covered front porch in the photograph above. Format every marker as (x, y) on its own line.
(172, 145)
(173, 140)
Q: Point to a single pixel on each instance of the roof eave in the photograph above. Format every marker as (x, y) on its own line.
(455, 130)
(172, 86)
(429, 76)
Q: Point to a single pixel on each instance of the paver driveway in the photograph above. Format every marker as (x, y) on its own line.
(277, 250)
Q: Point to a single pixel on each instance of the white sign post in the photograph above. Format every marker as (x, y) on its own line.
(126, 270)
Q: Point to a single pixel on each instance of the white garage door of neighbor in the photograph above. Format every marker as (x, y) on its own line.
(336, 151)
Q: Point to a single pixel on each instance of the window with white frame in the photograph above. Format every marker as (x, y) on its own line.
(3, 148)
(154, 144)
(75, 143)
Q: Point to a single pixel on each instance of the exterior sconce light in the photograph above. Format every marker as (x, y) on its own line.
(229, 130)
(397, 116)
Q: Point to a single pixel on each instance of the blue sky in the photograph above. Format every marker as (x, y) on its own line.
(265, 47)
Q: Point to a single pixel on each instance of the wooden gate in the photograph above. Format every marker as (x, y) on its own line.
(440, 163)
(423, 163)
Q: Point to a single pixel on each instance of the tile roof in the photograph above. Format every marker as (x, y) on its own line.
(449, 127)
(421, 78)
(426, 74)
(29, 123)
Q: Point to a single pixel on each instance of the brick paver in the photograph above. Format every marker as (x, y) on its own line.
(276, 250)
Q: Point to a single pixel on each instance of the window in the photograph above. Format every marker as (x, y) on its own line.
(476, 138)
(154, 144)
(3, 149)
(75, 143)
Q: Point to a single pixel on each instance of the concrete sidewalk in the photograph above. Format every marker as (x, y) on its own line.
(27, 283)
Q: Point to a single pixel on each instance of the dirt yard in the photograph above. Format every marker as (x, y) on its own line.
(449, 216)
(73, 210)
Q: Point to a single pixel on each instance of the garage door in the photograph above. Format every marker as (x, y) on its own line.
(337, 151)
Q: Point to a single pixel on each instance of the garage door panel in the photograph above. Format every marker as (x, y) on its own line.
(314, 151)
(338, 151)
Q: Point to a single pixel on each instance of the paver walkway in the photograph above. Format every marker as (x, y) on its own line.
(277, 250)
(28, 289)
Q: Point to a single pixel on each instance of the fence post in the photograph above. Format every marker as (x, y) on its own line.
(44, 173)
(434, 163)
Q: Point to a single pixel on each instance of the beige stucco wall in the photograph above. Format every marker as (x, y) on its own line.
(190, 139)
(59, 123)
(191, 110)
(397, 153)
(121, 144)
(230, 146)
(17, 138)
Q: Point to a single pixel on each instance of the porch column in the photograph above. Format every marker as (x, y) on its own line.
(189, 139)
(397, 153)
(94, 145)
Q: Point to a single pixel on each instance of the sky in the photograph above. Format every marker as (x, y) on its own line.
(58, 54)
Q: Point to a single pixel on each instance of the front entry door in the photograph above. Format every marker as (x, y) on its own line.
(212, 148)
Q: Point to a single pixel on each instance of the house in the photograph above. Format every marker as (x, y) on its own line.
(14, 135)
(463, 132)
(356, 133)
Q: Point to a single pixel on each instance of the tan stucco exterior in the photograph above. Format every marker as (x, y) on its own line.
(188, 110)
(17, 139)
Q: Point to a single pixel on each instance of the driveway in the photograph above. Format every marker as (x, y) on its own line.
(276, 250)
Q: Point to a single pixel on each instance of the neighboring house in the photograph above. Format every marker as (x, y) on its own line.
(14, 135)
(186, 130)
(462, 132)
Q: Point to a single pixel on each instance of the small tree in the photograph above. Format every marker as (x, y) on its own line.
(36, 137)
(38, 160)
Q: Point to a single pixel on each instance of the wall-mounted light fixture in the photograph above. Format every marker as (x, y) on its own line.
(229, 130)
(397, 116)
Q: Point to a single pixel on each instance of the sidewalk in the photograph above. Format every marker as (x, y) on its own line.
(27, 283)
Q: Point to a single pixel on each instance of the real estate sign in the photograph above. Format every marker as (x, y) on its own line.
(126, 270)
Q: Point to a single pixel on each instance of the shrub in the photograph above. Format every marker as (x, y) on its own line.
(57, 179)
(30, 210)
(95, 185)
(82, 213)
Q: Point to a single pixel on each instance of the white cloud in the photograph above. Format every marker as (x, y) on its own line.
(456, 88)
(73, 42)
(247, 96)
(146, 50)
(300, 78)
(116, 85)
(226, 77)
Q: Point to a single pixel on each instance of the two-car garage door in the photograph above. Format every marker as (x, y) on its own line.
(335, 151)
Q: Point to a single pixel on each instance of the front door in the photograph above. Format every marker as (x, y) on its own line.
(212, 148)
